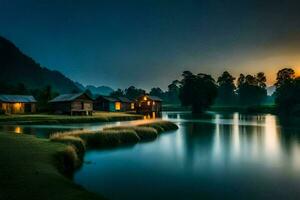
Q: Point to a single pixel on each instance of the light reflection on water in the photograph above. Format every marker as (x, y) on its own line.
(217, 156)
(230, 156)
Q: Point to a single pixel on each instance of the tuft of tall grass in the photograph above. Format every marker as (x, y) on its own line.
(101, 139)
(161, 126)
(144, 133)
(68, 160)
(114, 136)
(77, 142)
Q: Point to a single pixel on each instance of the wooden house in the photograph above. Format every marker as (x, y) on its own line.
(17, 104)
(147, 104)
(127, 105)
(112, 104)
(73, 104)
(105, 103)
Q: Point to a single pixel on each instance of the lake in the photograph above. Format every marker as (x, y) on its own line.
(224, 156)
(219, 156)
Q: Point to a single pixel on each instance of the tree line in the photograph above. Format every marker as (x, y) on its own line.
(200, 91)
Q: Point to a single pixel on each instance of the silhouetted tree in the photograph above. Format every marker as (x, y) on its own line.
(198, 91)
(157, 92)
(43, 96)
(252, 89)
(172, 95)
(287, 94)
(226, 89)
(284, 76)
(133, 93)
(117, 93)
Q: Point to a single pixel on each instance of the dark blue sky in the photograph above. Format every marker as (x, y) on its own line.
(149, 43)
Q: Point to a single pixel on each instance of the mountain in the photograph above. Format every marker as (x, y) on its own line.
(101, 90)
(80, 86)
(17, 67)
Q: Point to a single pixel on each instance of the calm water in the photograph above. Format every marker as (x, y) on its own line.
(225, 156)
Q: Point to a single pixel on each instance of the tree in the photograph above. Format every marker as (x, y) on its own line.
(284, 76)
(252, 89)
(226, 89)
(172, 94)
(43, 96)
(157, 92)
(117, 93)
(287, 94)
(133, 93)
(198, 91)
(261, 79)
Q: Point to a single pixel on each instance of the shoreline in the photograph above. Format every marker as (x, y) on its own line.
(36, 168)
(47, 119)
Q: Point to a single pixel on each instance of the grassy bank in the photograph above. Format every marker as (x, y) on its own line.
(66, 119)
(114, 136)
(33, 168)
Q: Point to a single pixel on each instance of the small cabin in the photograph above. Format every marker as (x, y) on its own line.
(127, 105)
(17, 104)
(147, 104)
(73, 104)
(105, 103)
(112, 104)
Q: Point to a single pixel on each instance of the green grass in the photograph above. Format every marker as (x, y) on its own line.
(144, 133)
(78, 144)
(101, 139)
(119, 135)
(33, 168)
(66, 119)
(161, 126)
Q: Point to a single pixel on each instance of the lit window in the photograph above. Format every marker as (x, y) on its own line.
(132, 106)
(145, 98)
(148, 103)
(153, 103)
(18, 129)
(118, 105)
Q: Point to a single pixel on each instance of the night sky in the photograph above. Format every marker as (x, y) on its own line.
(149, 43)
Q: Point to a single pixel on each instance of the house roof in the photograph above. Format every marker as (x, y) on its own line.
(17, 98)
(124, 99)
(67, 97)
(112, 99)
(154, 98)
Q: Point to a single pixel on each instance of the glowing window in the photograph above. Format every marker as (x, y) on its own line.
(18, 129)
(145, 98)
(153, 103)
(148, 103)
(132, 106)
(118, 105)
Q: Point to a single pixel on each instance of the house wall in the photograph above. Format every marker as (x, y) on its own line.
(148, 106)
(61, 107)
(17, 108)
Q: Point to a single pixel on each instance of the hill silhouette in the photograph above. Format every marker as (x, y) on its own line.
(16, 67)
